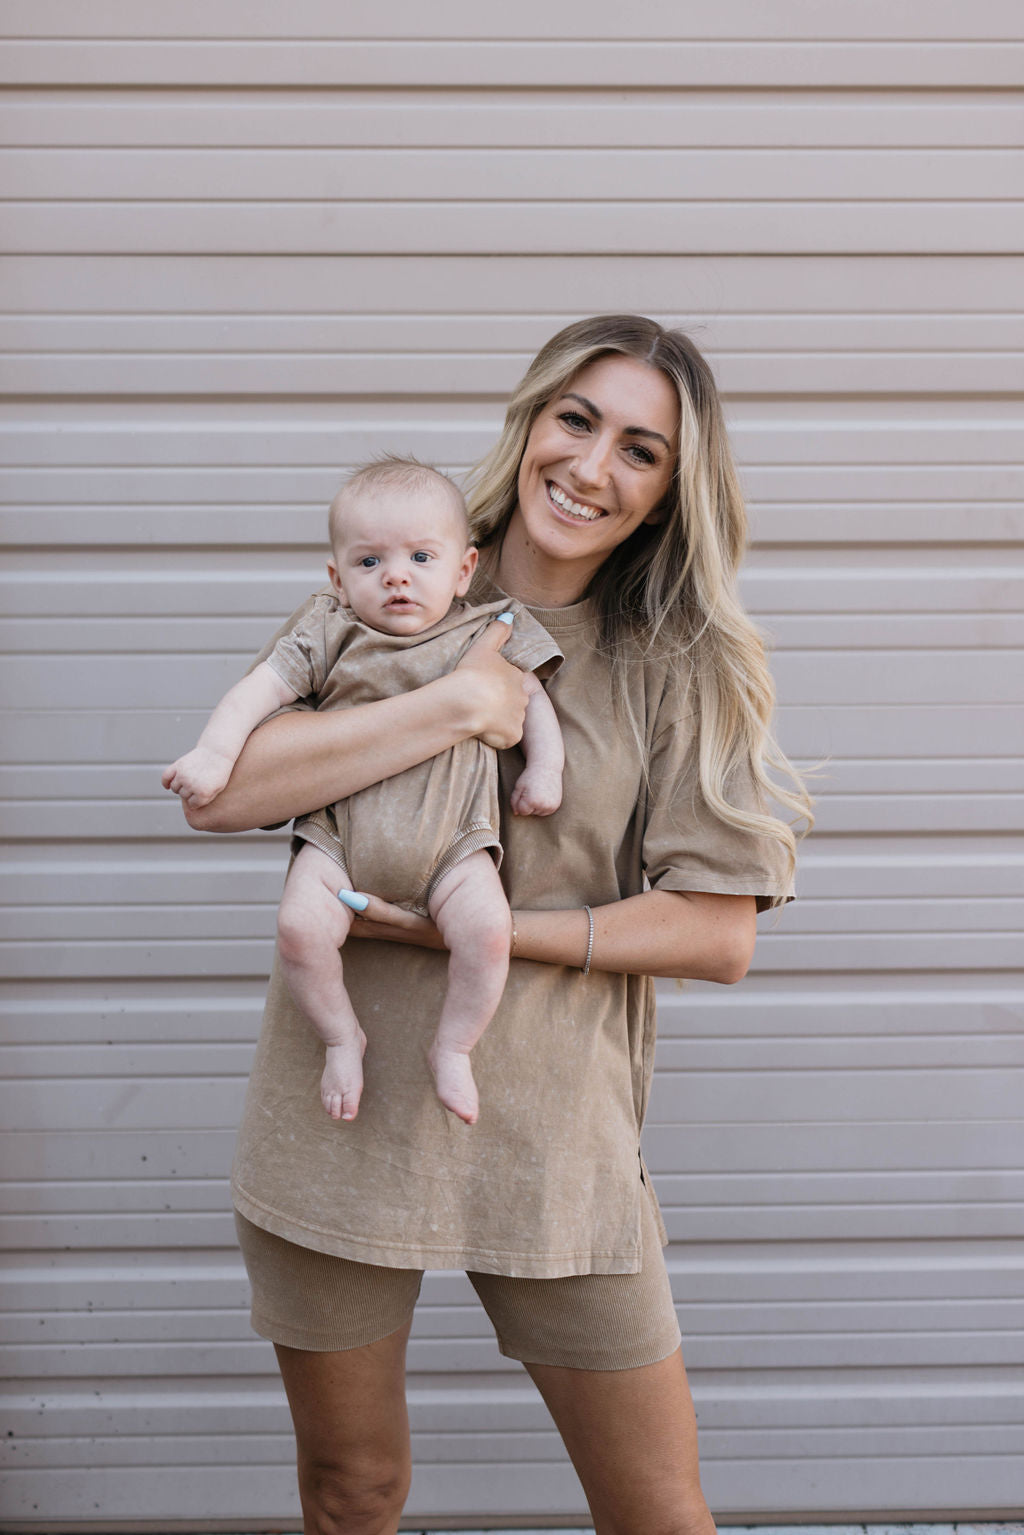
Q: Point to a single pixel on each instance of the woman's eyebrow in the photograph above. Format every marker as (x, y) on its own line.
(629, 431)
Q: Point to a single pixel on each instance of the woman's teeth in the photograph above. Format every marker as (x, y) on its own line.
(566, 504)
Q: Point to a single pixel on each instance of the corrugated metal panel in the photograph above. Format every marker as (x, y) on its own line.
(244, 248)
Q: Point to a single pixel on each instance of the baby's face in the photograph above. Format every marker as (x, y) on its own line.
(400, 559)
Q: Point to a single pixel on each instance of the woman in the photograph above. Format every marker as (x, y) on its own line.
(610, 507)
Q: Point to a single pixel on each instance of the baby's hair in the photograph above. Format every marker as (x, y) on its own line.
(389, 472)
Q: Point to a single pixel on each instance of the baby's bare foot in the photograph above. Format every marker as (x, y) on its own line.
(341, 1085)
(456, 1089)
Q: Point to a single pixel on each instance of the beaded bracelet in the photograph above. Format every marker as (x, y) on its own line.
(590, 941)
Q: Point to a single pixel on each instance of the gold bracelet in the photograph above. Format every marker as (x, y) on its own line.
(590, 941)
(515, 937)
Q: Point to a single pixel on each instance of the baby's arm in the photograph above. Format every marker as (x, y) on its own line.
(201, 774)
(538, 789)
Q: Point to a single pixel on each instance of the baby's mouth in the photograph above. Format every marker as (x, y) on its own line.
(577, 510)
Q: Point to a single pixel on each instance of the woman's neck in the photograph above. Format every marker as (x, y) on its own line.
(524, 573)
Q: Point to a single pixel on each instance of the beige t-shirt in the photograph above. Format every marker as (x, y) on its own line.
(547, 1182)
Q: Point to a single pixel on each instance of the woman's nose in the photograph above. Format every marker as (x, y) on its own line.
(591, 465)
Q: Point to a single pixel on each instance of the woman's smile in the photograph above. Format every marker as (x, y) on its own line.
(572, 509)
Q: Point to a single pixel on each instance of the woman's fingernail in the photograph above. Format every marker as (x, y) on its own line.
(353, 900)
(505, 618)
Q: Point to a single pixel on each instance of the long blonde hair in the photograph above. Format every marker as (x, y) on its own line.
(670, 587)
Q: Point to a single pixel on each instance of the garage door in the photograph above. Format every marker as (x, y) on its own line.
(248, 245)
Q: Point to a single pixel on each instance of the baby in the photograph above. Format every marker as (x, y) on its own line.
(426, 839)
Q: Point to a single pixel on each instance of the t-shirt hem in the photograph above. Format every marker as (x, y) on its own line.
(765, 894)
(515, 1265)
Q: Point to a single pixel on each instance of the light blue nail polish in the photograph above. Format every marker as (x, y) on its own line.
(353, 900)
(506, 618)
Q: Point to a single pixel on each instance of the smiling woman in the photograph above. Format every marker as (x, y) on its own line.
(609, 507)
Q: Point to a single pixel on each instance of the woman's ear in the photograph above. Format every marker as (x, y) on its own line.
(466, 569)
(660, 513)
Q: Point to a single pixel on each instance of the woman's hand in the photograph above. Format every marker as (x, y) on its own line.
(495, 690)
(393, 924)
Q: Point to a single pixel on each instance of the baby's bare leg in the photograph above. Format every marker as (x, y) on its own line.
(471, 912)
(312, 925)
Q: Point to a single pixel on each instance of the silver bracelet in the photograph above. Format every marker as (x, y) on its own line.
(590, 941)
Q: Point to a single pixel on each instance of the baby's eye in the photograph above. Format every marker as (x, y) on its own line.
(421, 556)
(369, 561)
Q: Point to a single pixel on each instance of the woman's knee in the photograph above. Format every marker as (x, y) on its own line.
(363, 1499)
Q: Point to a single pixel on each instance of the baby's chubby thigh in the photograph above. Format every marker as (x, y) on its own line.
(470, 909)
(310, 918)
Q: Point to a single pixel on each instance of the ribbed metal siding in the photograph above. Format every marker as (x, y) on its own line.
(240, 260)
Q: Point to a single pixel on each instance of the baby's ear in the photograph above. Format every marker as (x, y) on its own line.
(466, 569)
(335, 579)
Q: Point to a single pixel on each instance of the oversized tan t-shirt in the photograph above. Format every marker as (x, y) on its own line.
(547, 1182)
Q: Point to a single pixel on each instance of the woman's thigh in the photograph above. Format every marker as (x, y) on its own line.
(340, 1330)
(596, 1322)
(348, 1408)
(603, 1349)
(309, 1300)
(632, 1437)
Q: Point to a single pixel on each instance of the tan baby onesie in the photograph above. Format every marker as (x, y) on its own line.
(397, 838)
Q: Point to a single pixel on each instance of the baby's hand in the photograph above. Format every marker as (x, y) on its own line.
(538, 791)
(199, 776)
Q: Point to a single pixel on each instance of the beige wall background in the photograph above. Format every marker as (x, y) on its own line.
(247, 244)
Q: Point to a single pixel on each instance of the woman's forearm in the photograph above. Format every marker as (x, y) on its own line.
(683, 934)
(299, 762)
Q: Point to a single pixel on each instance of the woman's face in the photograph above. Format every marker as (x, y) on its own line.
(598, 462)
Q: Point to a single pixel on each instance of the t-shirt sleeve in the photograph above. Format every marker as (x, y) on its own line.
(530, 646)
(300, 652)
(687, 847)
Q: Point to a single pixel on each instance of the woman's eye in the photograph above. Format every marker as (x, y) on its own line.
(641, 455)
(369, 561)
(574, 421)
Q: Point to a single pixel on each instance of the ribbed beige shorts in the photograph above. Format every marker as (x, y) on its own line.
(313, 1300)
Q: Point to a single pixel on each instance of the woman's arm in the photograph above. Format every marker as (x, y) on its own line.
(299, 762)
(686, 935)
(683, 934)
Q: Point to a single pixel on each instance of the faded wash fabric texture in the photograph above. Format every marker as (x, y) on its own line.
(399, 837)
(547, 1183)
